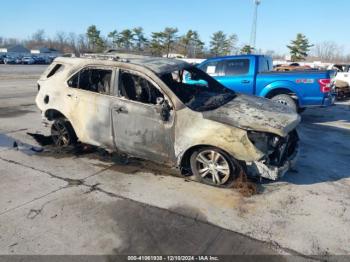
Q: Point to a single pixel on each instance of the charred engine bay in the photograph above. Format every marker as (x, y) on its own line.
(122, 163)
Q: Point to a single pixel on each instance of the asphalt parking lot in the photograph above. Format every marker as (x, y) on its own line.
(71, 203)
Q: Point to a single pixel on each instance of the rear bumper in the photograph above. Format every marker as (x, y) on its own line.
(329, 100)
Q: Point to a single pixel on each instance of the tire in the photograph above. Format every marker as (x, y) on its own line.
(301, 110)
(210, 158)
(62, 133)
(286, 100)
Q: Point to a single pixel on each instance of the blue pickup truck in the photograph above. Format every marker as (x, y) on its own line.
(252, 74)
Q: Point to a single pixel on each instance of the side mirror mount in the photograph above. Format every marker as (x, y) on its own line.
(159, 100)
(165, 111)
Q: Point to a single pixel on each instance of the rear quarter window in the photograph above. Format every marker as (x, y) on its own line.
(56, 69)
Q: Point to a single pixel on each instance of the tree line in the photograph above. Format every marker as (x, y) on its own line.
(160, 43)
(163, 42)
(169, 41)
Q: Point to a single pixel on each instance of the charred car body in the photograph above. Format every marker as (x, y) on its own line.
(142, 106)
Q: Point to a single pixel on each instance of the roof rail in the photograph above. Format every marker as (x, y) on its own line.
(128, 52)
(111, 57)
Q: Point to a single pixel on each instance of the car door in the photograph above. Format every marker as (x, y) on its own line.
(90, 101)
(142, 127)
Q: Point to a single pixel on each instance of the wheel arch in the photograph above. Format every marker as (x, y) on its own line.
(53, 114)
(283, 91)
(184, 159)
(288, 87)
(279, 91)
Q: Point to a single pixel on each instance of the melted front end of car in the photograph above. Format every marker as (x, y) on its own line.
(281, 154)
(271, 129)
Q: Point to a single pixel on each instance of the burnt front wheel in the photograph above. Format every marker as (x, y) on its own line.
(62, 133)
(213, 166)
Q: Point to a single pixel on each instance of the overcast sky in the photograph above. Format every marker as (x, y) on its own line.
(279, 20)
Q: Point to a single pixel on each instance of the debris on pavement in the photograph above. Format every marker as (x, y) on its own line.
(41, 139)
(244, 185)
(122, 163)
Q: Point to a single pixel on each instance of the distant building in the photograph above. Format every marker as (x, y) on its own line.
(45, 51)
(17, 50)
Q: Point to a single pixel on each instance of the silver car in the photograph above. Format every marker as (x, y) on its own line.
(144, 107)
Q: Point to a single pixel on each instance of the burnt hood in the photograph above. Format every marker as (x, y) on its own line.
(257, 114)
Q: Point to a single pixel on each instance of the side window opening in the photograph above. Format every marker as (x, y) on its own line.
(236, 67)
(137, 88)
(212, 68)
(57, 68)
(94, 80)
(196, 89)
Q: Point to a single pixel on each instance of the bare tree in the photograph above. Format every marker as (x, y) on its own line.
(61, 38)
(328, 51)
(82, 44)
(39, 36)
(72, 42)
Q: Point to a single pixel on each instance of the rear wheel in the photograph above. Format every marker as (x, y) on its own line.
(62, 133)
(214, 167)
(286, 100)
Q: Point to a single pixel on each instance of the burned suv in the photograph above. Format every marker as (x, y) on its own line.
(147, 108)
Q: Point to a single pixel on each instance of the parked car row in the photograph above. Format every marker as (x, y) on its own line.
(26, 60)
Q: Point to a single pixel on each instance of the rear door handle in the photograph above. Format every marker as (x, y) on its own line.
(245, 81)
(121, 110)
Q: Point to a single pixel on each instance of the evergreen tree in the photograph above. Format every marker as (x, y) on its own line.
(247, 49)
(191, 44)
(217, 43)
(163, 42)
(230, 46)
(125, 39)
(96, 43)
(139, 38)
(221, 45)
(114, 38)
(299, 48)
(170, 37)
(157, 43)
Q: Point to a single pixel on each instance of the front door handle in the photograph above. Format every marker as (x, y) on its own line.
(121, 110)
(245, 81)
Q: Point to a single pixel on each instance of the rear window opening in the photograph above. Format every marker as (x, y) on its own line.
(55, 69)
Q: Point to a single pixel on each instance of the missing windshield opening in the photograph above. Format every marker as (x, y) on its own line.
(197, 90)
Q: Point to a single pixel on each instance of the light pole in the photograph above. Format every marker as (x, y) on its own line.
(255, 21)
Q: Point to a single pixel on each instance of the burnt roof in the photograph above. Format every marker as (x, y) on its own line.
(158, 65)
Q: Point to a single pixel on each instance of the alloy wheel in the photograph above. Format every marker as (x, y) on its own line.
(213, 167)
(60, 134)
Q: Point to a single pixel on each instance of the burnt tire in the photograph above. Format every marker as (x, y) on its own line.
(286, 100)
(214, 167)
(62, 133)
